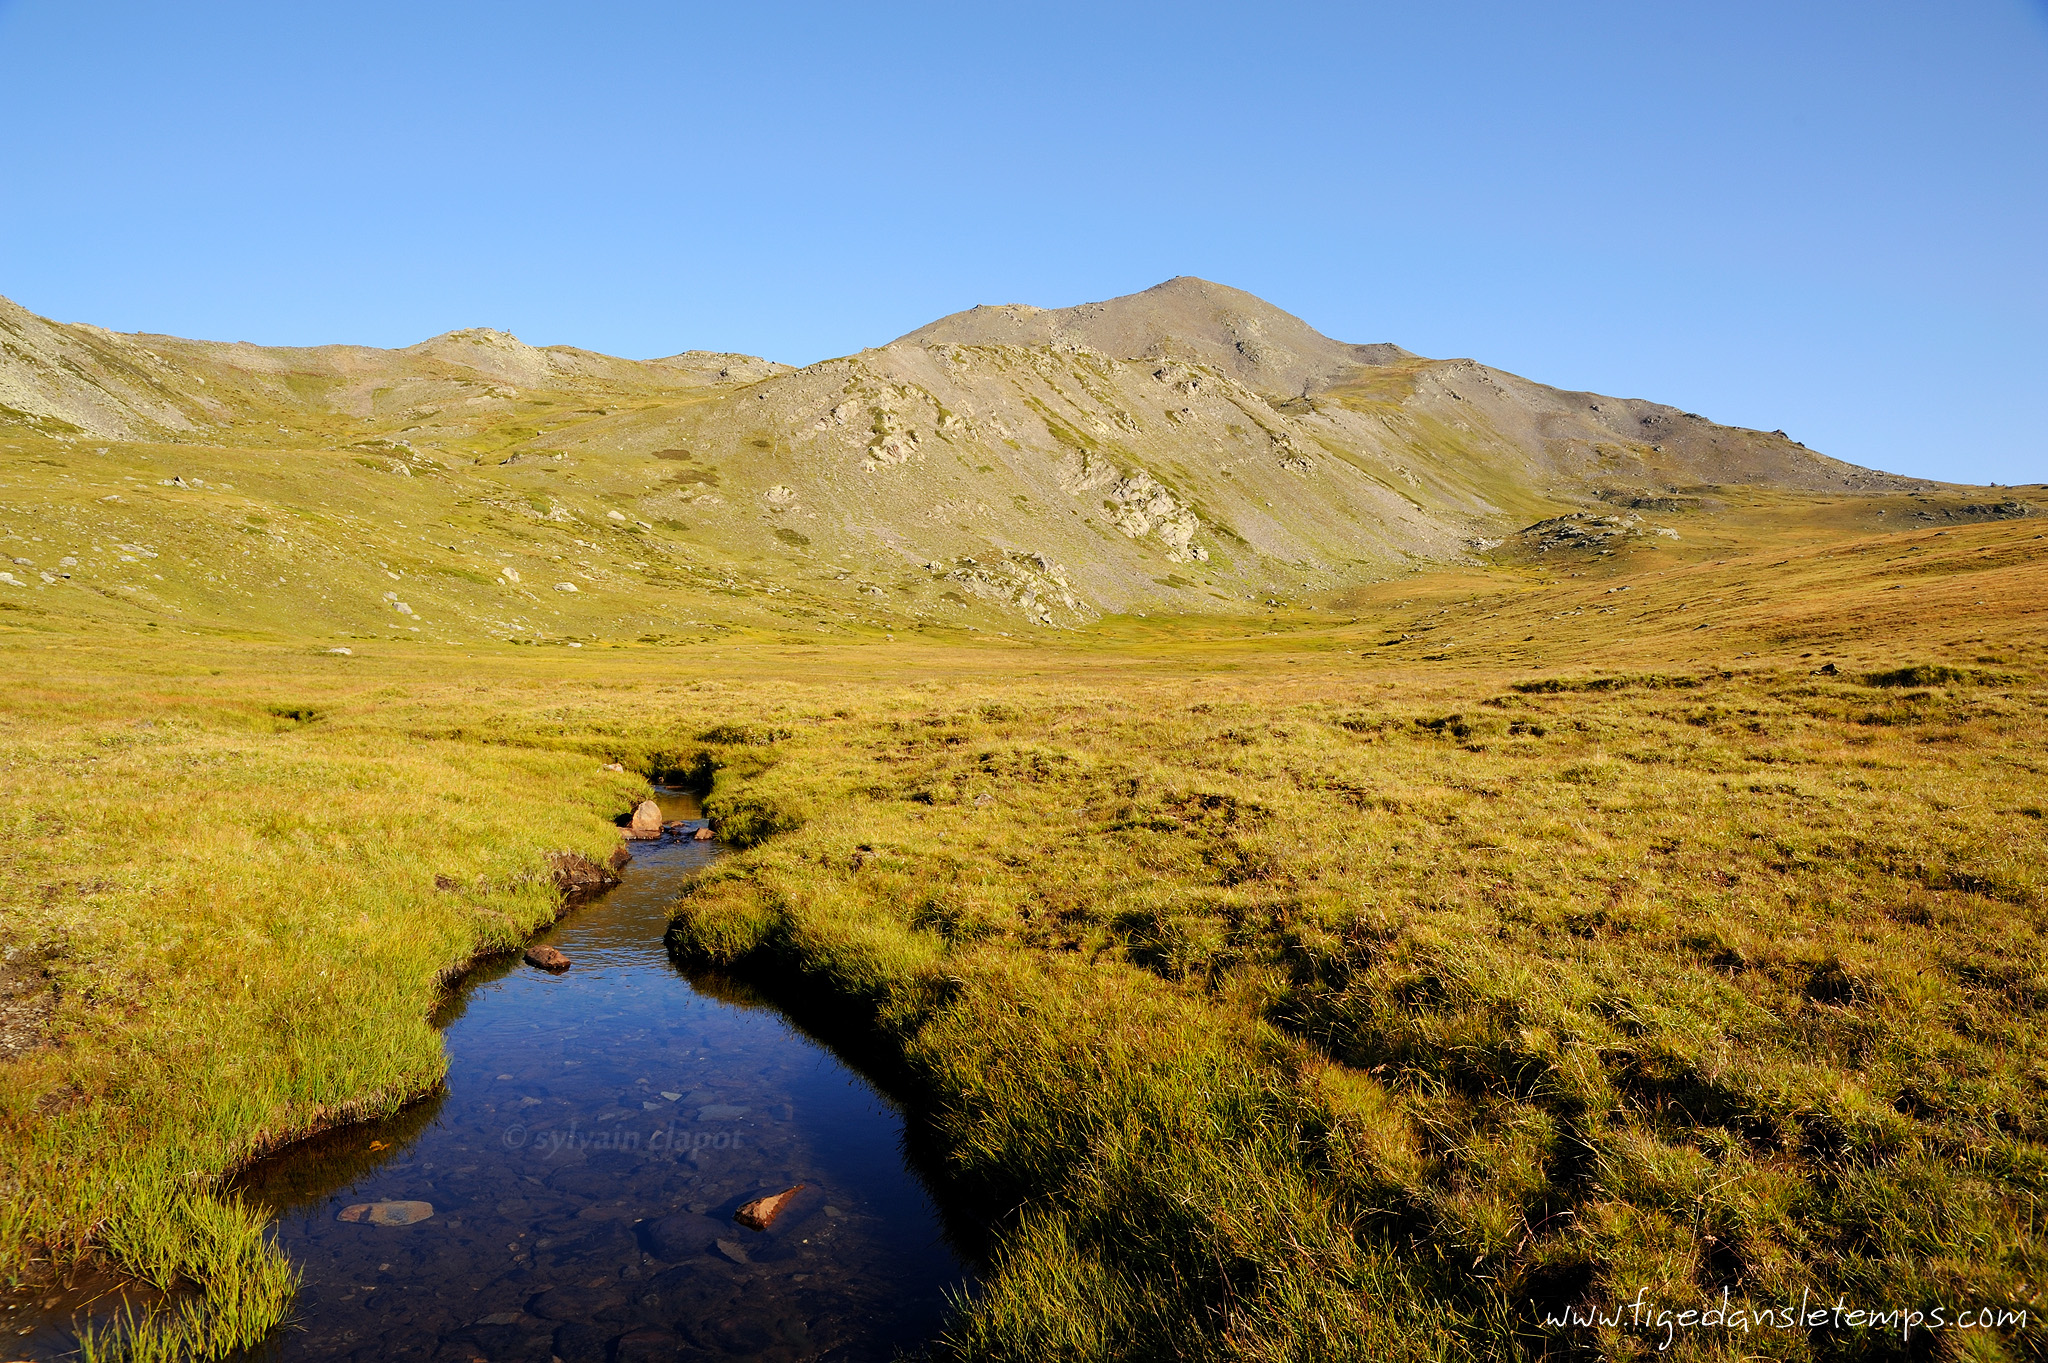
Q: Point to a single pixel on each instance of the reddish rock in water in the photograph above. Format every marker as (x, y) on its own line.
(547, 958)
(763, 1210)
(647, 820)
(702, 835)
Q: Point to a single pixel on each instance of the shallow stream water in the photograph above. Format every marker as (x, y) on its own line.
(571, 1193)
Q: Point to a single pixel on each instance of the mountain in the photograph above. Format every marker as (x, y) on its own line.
(1186, 319)
(89, 381)
(1189, 448)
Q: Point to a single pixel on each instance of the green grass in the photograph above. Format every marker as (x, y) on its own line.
(1363, 979)
(1276, 1019)
(239, 918)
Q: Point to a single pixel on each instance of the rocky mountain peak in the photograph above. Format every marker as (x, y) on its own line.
(1186, 318)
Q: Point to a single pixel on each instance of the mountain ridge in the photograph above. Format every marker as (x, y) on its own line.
(1188, 448)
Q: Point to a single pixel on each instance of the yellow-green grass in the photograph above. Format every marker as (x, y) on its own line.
(238, 913)
(1293, 992)
(1377, 1015)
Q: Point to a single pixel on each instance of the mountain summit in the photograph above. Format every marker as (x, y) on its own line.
(1185, 318)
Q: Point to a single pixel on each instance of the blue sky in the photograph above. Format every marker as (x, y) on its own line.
(1823, 217)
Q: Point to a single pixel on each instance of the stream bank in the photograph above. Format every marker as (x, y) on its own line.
(571, 1192)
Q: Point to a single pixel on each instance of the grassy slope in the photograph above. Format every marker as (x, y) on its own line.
(1274, 1011)
(1331, 1008)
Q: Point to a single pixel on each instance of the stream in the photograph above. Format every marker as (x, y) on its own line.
(571, 1193)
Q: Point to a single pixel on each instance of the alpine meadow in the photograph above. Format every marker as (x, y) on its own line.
(1331, 853)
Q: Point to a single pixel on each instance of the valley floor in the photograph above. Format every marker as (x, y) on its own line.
(1395, 981)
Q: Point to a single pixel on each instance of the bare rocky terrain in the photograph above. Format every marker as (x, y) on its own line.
(1189, 448)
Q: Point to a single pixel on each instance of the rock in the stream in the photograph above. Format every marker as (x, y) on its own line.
(647, 820)
(679, 1235)
(581, 1342)
(762, 1211)
(733, 1250)
(547, 958)
(647, 1342)
(702, 835)
(577, 876)
(387, 1213)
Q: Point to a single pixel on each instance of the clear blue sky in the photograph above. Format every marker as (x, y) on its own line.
(1826, 217)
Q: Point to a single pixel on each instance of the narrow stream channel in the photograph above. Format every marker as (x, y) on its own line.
(572, 1193)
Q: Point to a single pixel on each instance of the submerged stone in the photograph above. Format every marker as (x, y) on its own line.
(387, 1213)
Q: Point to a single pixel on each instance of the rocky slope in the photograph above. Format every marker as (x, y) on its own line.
(1187, 448)
(1190, 439)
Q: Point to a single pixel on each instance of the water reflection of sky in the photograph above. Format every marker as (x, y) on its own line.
(598, 1131)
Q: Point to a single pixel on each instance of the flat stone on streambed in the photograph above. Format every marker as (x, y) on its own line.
(680, 1236)
(387, 1213)
(547, 958)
